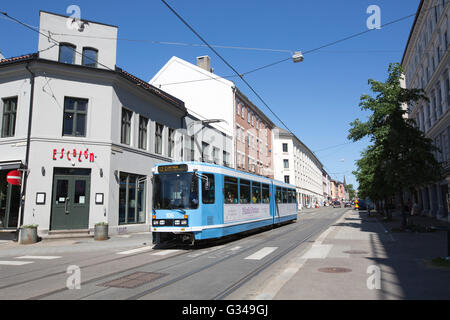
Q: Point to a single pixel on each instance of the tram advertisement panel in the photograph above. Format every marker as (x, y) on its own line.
(242, 212)
(286, 209)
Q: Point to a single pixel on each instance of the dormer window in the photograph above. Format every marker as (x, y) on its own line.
(90, 57)
(67, 53)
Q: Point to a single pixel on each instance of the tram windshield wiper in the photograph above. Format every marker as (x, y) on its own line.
(172, 208)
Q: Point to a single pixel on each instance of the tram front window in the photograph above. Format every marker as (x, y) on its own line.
(175, 191)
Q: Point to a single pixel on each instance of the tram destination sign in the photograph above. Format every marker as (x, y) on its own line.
(173, 168)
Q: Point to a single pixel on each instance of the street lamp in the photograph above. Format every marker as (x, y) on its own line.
(297, 57)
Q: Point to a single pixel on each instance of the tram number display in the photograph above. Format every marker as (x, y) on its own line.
(173, 168)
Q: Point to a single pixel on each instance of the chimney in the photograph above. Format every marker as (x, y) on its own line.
(204, 62)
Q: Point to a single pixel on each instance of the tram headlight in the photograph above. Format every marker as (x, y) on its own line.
(177, 222)
(155, 222)
(162, 222)
(184, 222)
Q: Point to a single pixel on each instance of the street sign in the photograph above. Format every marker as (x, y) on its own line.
(14, 178)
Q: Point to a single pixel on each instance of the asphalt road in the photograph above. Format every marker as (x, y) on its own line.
(215, 271)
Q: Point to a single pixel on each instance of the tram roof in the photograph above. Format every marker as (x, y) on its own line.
(214, 168)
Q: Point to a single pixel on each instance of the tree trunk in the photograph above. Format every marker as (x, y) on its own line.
(404, 211)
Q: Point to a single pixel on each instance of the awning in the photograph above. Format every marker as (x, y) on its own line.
(11, 165)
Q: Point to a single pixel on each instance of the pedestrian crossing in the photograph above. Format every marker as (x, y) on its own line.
(211, 253)
(17, 261)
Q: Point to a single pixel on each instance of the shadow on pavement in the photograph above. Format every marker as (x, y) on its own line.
(404, 257)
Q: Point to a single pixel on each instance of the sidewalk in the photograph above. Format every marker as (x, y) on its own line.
(60, 246)
(344, 262)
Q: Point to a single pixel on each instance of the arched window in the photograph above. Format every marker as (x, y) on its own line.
(67, 53)
(90, 56)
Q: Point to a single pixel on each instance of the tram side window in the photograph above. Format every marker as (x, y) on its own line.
(279, 196)
(285, 196)
(265, 193)
(245, 191)
(256, 192)
(291, 196)
(231, 190)
(208, 192)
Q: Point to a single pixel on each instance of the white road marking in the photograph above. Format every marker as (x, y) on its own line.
(38, 258)
(14, 263)
(261, 253)
(164, 253)
(236, 248)
(143, 249)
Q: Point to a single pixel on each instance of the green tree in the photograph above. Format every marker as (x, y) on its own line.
(400, 157)
(351, 191)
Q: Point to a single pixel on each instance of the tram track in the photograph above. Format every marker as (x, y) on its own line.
(243, 280)
(224, 293)
(187, 251)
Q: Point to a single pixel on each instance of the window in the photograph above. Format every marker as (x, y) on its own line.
(67, 53)
(265, 193)
(285, 195)
(158, 138)
(286, 163)
(90, 57)
(226, 158)
(143, 124)
(286, 179)
(279, 196)
(205, 151)
(244, 193)
(175, 191)
(125, 137)
(242, 111)
(208, 189)
(285, 147)
(9, 117)
(171, 142)
(256, 192)
(132, 193)
(231, 190)
(75, 114)
(216, 155)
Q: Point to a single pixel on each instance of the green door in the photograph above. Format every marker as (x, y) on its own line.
(70, 202)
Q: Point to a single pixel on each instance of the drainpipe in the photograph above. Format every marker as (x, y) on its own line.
(27, 154)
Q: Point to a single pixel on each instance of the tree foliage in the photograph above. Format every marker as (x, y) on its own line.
(400, 157)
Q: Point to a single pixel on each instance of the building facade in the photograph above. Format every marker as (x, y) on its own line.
(84, 133)
(426, 65)
(295, 164)
(253, 138)
(210, 97)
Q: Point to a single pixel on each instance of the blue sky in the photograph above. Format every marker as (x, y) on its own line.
(317, 99)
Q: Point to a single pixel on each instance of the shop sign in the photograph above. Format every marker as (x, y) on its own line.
(14, 178)
(73, 154)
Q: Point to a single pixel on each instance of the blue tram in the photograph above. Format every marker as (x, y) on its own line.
(198, 201)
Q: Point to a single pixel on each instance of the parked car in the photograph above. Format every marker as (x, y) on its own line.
(337, 204)
(348, 205)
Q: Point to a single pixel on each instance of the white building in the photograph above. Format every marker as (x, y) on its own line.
(87, 133)
(294, 163)
(426, 65)
(205, 99)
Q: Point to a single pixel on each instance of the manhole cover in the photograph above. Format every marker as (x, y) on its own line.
(335, 270)
(133, 280)
(356, 252)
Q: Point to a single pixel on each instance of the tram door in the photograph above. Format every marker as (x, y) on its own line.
(278, 202)
(209, 205)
